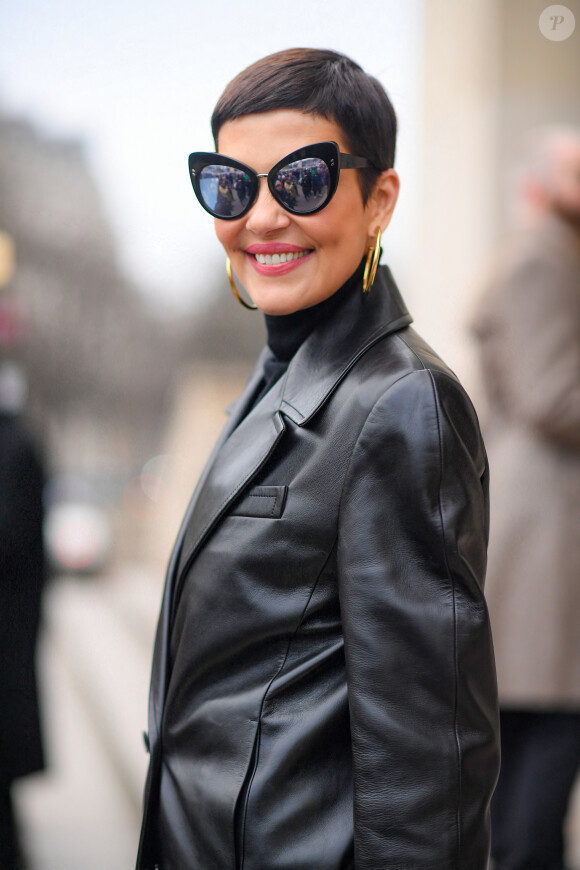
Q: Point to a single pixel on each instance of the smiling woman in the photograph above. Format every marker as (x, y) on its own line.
(329, 241)
(323, 692)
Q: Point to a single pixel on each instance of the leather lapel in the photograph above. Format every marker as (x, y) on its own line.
(320, 364)
(160, 671)
(237, 460)
(239, 406)
(236, 412)
(333, 348)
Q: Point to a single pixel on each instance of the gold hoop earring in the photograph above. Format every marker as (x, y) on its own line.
(235, 289)
(373, 257)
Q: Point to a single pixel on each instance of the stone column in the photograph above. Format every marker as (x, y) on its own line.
(457, 225)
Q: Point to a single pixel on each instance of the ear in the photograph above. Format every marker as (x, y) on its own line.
(382, 200)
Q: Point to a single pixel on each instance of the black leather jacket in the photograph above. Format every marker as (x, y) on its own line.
(323, 693)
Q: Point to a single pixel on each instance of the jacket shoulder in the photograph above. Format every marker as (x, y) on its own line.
(395, 357)
(404, 384)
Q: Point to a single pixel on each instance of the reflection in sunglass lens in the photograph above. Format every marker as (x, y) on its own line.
(303, 186)
(225, 190)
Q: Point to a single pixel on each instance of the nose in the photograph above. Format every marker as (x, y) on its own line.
(266, 216)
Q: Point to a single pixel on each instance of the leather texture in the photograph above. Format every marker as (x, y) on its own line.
(323, 693)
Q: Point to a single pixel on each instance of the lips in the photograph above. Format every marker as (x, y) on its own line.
(276, 259)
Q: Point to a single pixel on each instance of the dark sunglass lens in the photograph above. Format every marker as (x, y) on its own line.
(303, 185)
(226, 191)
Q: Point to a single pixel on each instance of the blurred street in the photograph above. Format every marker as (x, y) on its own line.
(84, 812)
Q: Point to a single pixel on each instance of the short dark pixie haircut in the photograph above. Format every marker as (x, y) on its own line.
(318, 82)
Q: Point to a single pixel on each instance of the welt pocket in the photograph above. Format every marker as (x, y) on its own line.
(261, 501)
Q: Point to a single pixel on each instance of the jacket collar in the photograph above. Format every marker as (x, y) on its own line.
(335, 345)
(319, 365)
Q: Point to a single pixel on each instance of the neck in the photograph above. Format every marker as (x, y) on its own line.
(286, 332)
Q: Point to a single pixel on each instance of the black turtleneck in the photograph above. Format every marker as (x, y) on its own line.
(286, 332)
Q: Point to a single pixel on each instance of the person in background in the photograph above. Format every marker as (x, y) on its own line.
(22, 575)
(323, 693)
(528, 329)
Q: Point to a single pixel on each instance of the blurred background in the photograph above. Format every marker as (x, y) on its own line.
(116, 312)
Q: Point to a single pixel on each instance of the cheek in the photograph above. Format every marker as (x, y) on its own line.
(226, 232)
(343, 227)
(331, 229)
(344, 237)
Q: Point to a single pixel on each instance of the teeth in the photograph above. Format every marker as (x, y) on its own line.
(276, 259)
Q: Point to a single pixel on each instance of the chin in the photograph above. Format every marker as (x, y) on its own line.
(277, 309)
(277, 300)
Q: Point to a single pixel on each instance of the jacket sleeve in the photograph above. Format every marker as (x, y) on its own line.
(421, 680)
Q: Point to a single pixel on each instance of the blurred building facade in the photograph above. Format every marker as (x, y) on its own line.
(96, 361)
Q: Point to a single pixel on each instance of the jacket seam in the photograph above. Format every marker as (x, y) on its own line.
(381, 332)
(414, 352)
(209, 526)
(265, 697)
(455, 643)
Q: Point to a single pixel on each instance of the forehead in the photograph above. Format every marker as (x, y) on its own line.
(261, 140)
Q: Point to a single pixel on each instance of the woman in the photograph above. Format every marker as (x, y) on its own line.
(323, 692)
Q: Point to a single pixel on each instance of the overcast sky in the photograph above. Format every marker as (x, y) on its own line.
(138, 81)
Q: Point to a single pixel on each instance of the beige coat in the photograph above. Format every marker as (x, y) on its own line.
(528, 326)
